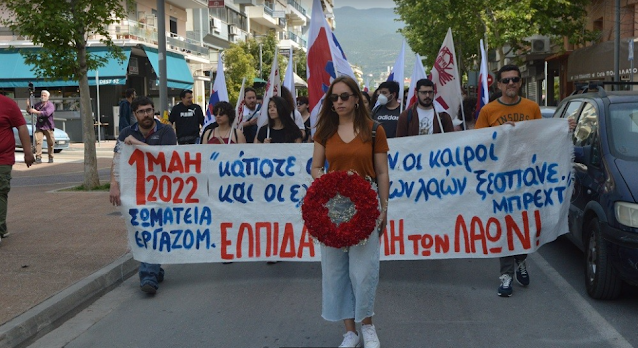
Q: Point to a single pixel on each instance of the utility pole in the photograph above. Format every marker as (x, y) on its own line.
(617, 47)
(161, 54)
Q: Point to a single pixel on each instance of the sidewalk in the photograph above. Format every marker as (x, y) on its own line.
(65, 249)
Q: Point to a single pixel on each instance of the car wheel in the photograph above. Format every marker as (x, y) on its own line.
(601, 279)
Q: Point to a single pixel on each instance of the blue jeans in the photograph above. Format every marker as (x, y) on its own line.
(151, 273)
(349, 280)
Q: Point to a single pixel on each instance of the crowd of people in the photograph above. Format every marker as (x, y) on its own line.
(350, 135)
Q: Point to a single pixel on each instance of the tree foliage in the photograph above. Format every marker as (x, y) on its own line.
(238, 64)
(62, 28)
(503, 23)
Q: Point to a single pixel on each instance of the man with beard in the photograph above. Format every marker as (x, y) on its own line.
(507, 109)
(251, 114)
(147, 131)
(421, 118)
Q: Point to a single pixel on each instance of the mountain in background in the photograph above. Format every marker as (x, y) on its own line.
(370, 39)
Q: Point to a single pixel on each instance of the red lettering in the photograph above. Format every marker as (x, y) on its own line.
(137, 157)
(477, 226)
(258, 227)
(427, 242)
(513, 228)
(176, 164)
(288, 243)
(442, 244)
(160, 161)
(245, 227)
(460, 225)
(196, 162)
(396, 238)
(225, 241)
(539, 227)
(306, 242)
(415, 238)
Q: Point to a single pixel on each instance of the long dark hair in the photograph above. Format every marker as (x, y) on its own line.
(328, 119)
(285, 117)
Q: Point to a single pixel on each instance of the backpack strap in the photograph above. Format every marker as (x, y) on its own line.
(375, 125)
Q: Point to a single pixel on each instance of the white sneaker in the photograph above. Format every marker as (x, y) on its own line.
(350, 339)
(370, 338)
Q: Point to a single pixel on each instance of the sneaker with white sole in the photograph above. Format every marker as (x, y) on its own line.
(370, 338)
(505, 290)
(350, 339)
(521, 275)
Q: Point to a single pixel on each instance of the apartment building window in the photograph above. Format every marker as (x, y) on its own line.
(172, 25)
(237, 19)
(220, 13)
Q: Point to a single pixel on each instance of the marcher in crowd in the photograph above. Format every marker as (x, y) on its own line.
(44, 125)
(251, 114)
(281, 128)
(366, 99)
(422, 118)
(295, 114)
(302, 106)
(187, 118)
(224, 133)
(350, 277)
(10, 117)
(147, 131)
(389, 108)
(126, 116)
(509, 108)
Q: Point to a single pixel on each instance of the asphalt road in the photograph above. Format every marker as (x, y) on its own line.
(439, 303)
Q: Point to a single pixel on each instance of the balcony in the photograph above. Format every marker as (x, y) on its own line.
(141, 32)
(289, 39)
(246, 2)
(297, 15)
(189, 3)
(262, 15)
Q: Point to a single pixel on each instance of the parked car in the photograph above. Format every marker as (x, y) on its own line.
(548, 111)
(603, 216)
(62, 139)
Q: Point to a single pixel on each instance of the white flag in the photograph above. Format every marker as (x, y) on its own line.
(445, 75)
(398, 73)
(272, 89)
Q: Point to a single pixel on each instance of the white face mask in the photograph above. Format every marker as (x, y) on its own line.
(382, 99)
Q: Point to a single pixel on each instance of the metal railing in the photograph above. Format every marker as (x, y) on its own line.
(297, 6)
(268, 10)
(129, 29)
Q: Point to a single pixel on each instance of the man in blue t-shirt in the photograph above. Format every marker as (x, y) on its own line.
(147, 131)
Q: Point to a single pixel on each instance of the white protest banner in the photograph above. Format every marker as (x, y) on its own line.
(482, 193)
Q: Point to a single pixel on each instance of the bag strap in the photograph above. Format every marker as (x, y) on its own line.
(375, 125)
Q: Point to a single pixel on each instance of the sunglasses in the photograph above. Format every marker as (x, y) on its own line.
(344, 96)
(513, 79)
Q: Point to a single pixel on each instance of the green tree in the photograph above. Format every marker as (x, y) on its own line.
(62, 28)
(505, 24)
(238, 63)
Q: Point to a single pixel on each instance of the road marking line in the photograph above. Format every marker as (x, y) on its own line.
(600, 324)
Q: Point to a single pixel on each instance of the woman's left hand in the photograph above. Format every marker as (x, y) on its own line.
(384, 222)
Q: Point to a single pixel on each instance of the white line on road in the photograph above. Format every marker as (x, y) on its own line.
(606, 330)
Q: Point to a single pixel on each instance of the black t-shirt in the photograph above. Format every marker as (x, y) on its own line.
(187, 120)
(388, 119)
(277, 136)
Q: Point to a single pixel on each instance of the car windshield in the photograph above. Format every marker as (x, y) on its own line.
(623, 120)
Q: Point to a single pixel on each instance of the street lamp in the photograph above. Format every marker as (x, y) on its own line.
(260, 61)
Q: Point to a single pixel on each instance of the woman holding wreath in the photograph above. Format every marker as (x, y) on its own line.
(344, 137)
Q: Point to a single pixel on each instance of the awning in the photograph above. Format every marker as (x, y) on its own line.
(16, 73)
(299, 82)
(179, 75)
(597, 62)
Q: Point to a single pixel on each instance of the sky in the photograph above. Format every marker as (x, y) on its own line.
(364, 4)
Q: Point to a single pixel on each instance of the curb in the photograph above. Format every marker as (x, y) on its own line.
(53, 312)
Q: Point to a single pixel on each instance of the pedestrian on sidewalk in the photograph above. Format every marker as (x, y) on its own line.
(187, 118)
(345, 138)
(147, 131)
(126, 115)
(10, 117)
(44, 126)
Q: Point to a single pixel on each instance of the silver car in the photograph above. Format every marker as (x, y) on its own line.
(62, 139)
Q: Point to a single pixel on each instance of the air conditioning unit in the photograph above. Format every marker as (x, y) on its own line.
(234, 30)
(217, 24)
(540, 45)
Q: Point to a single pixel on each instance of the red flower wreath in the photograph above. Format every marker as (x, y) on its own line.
(316, 211)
